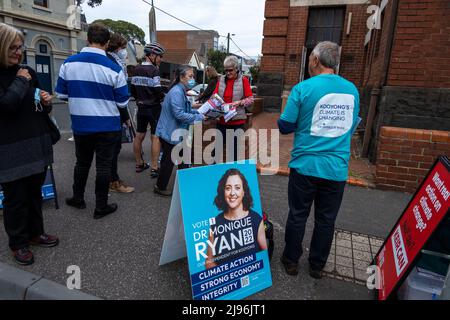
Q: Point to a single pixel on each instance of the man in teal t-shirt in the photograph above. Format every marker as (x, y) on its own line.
(322, 112)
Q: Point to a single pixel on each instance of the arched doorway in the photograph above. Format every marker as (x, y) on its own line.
(44, 64)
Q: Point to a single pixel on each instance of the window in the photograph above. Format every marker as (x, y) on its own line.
(41, 3)
(43, 48)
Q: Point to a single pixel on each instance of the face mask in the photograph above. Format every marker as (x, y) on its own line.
(37, 100)
(191, 83)
(122, 54)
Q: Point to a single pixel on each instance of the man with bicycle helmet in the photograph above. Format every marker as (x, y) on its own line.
(147, 90)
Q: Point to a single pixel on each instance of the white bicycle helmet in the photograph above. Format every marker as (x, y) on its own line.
(154, 48)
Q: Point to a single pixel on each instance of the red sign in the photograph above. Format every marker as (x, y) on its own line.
(422, 216)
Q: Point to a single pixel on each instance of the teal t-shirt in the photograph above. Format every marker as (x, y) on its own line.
(325, 109)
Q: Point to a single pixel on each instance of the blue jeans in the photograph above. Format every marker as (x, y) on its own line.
(327, 197)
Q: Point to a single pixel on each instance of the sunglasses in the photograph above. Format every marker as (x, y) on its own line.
(229, 70)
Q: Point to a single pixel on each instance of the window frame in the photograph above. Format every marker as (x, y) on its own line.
(46, 3)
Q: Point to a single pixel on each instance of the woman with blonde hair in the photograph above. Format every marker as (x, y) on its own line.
(25, 148)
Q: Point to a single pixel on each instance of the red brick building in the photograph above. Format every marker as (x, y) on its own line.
(402, 68)
(197, 40)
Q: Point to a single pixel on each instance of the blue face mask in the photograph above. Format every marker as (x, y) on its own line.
(37, 100)
(190, 84)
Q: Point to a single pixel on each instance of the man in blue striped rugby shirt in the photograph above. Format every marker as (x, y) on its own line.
(95, 88)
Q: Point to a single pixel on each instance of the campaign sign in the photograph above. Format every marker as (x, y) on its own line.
(48, 190)
(424, 213)
(224, 235)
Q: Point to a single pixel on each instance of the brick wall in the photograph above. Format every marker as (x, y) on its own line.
(277, 9)
(406, 155)
(296, 38)
(352, 55)
(285, 30)
(375, 51)
(274, 45)
(173, 39)
(272, 63)
(421, 56)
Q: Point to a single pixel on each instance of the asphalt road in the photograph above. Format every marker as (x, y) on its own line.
(118, 255)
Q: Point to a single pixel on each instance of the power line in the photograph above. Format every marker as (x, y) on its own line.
(170, 15)
(189, 24)
(240, 50)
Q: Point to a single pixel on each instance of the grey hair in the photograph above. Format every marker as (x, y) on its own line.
(180, 72)
(328, 54)
(231, 61)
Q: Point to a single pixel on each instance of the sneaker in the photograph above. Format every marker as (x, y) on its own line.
(45, 240)
(142, 167)
(290, 267)
(120, 186)
(100, 213)
(23, 256)
(154, 173)
(165, 193)
(76, 203)
(315, 273)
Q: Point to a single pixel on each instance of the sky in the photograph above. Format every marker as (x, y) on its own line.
(244, 18)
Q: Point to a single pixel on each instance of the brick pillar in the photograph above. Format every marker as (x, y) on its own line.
(271, 78)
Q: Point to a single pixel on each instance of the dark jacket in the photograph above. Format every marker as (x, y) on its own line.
(203, 97)
(25, 143)
(146, 86)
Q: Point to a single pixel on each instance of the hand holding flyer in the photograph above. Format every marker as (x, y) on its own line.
(214, 103)
(230, 111)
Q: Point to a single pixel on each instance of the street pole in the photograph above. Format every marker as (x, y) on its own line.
(206, 64)
(228, 43)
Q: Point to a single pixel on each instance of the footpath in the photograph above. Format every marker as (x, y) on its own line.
(118, 256)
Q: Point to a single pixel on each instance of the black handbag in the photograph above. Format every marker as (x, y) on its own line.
(55, 135)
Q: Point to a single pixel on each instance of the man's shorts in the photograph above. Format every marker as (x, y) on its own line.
(146, 116)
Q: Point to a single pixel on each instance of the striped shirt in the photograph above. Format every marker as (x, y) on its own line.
(95, 87)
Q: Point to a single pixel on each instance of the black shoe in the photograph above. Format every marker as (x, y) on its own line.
(154, 173)
(290, 267)
(76, 203)
(315, 273)
(23, 256)
(100, 213)
(142, 167)
(164, 193)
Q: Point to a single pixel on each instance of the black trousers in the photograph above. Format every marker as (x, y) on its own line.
(22, 210)
(223, 130)
(327, 197)
(103, 145)
(114, 168)
(165, 171)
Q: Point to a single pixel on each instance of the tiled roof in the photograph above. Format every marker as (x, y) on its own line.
(178, 56)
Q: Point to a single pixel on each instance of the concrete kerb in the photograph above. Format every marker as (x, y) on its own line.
(285, 172)
(17, 284)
